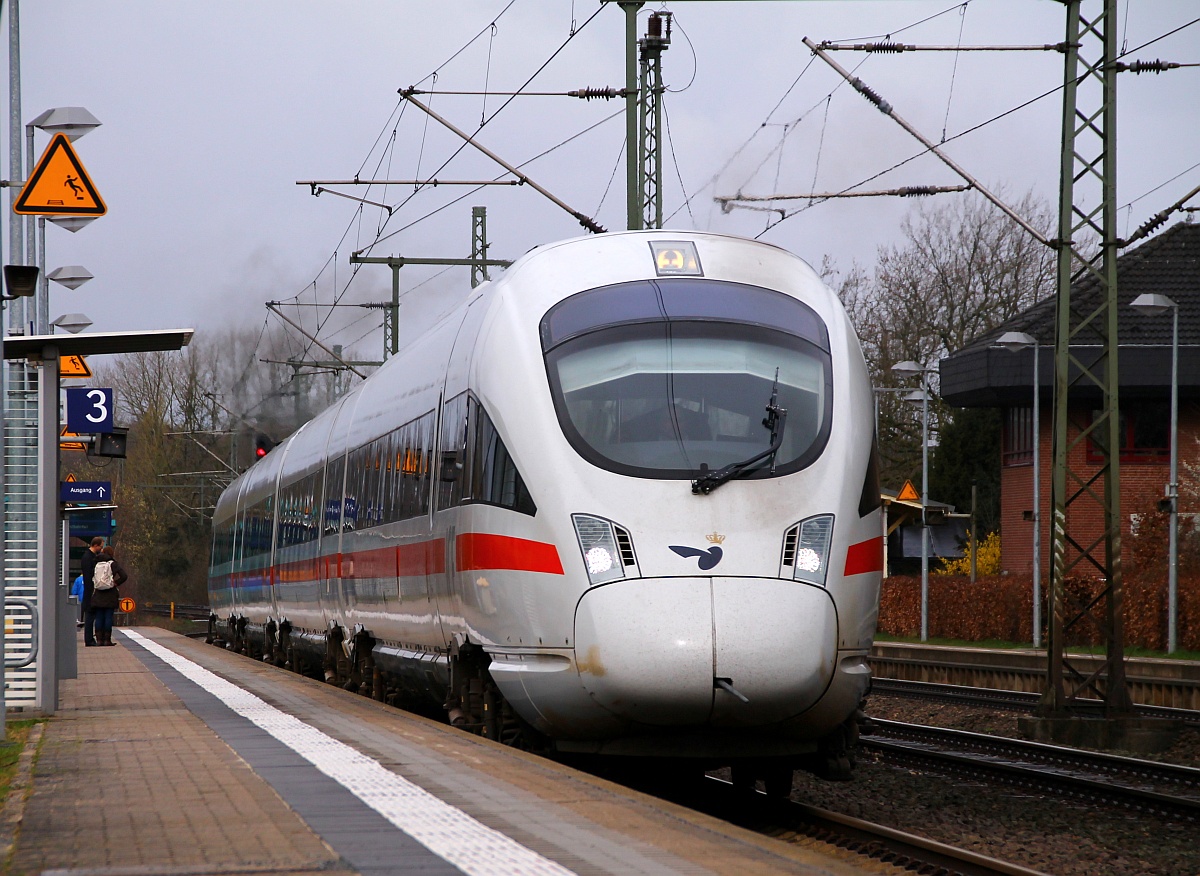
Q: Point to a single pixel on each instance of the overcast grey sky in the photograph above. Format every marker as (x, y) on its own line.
(212, 111)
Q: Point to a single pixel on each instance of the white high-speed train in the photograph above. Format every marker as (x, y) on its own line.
(624, 501)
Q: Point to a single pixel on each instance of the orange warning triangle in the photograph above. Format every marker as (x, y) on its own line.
(908, 493)
(70, 445)
(59, 186)
(70, 479)
(73, 366)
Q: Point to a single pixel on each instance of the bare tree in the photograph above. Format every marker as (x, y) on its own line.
(962, 269)
(191, 415)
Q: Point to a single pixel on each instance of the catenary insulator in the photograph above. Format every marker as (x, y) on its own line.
(605, 93)
(1155, 66)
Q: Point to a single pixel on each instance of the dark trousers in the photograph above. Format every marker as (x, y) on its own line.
(89, 626)
(103, 618)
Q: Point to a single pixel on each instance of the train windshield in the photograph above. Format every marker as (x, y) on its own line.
(667, 378)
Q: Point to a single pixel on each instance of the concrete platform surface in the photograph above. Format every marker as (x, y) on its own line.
(169, 756)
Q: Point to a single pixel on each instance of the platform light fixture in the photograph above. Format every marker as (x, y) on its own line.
(909, 368)
(72, 322)
(1014, 342)
(71, 276)
(1153, 304)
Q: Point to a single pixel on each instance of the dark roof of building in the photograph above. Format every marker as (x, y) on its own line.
(983, 375)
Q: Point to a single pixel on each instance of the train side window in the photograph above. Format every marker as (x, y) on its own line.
(335, 471)
(494, 476)
(424, 431)
(452, 453)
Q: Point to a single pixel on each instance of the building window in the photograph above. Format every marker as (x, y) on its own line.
(1145, 433)
(1017, 445)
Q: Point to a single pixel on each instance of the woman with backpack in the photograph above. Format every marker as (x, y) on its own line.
(106, 578)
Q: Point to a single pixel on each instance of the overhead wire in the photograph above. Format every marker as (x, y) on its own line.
(432, 75)
(674, 161)
(962, 21)
(611, 177)
(891, 33)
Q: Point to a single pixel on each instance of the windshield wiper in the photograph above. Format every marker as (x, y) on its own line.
(774, 420)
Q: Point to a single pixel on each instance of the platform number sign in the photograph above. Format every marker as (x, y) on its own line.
(90, 410)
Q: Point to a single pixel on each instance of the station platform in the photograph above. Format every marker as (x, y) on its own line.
(169, 756)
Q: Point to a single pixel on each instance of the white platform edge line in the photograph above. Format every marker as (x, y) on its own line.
(445, 830)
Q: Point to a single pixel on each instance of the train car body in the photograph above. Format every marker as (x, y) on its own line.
(625, 496)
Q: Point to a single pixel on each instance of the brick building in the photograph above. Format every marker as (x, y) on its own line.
(985, 375)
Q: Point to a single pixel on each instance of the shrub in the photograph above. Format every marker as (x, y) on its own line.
(987, 558)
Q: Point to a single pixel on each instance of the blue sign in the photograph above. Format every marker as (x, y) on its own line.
(85, 491)
(89, 410)
(88, 524)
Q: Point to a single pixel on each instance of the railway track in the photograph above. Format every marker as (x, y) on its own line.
(1009, 699)
(794, 822)
(175, 610)
(1150, 681)
(1151, 787)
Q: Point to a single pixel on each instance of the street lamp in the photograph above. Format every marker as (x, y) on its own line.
(1152, 304)
(909, 368)
(1014, 342)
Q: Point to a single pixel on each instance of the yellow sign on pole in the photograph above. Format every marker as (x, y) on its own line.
(73, 366)
(69, 445)
(908, 493)
(59, 186)
(127, 605)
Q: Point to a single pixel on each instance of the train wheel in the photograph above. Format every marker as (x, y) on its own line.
(778, 782)
(743, 778)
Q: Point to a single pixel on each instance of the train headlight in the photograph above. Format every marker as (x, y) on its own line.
(598, 543)
(806, 549)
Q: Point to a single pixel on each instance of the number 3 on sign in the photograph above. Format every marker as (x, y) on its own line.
(89, 410)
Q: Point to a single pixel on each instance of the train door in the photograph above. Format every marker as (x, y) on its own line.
(452, 467)
(237, 570)
(337, 591)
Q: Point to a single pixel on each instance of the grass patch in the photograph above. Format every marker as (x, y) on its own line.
(16, 735)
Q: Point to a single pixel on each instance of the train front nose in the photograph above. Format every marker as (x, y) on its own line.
(653, 650)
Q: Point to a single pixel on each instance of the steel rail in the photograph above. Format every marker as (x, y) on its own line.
(903, 850)
(1094, 777)
(1009, 699)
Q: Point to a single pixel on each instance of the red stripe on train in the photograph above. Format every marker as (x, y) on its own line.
(866, 556)
(477, 551)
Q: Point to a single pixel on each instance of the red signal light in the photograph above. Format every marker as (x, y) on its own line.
(262, 445)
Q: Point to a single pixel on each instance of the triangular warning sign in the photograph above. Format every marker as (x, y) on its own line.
(70, 445)
(70, 479)
(908, 493)
(59, 186)
(73, 366)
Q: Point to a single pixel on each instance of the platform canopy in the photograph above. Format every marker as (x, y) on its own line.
(96, 343)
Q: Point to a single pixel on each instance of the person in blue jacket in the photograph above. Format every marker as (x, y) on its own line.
(77, 592)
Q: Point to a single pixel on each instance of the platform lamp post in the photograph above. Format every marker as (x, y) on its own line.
(909, 368)
(1152, 304)
(1014, 342)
